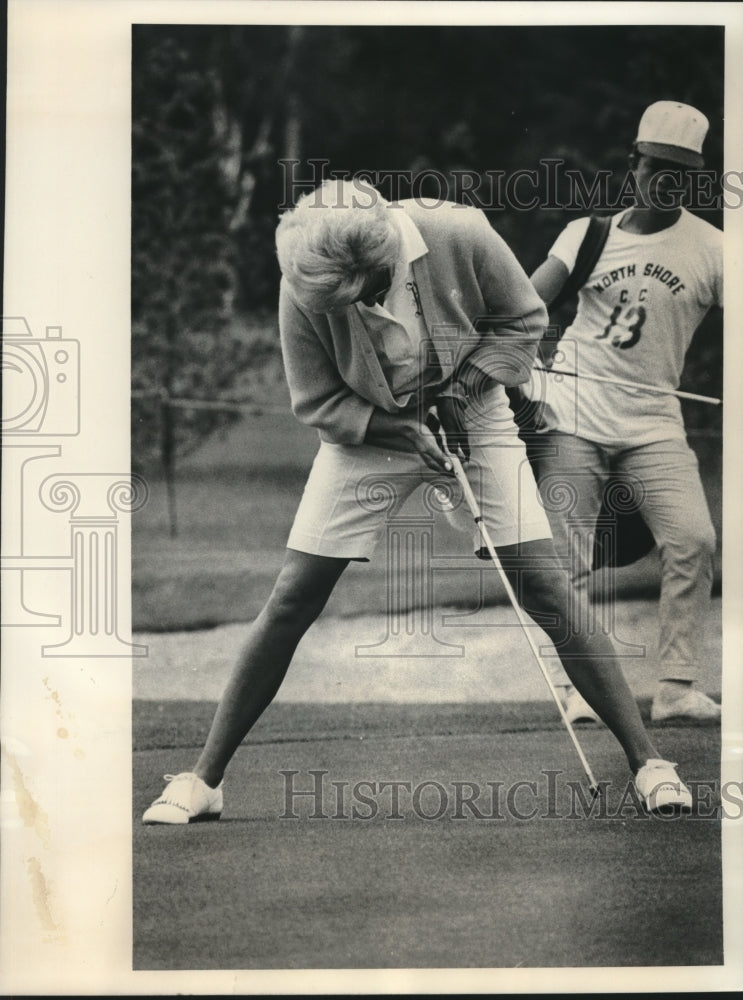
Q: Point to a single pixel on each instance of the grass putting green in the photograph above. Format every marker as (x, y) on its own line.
(522, 876)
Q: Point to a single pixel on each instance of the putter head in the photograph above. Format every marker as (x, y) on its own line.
(595, 792)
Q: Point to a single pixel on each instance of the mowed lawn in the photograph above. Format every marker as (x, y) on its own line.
(527, 883)
(236, 499)
(346, 877)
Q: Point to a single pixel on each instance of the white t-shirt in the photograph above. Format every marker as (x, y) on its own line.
(636, 316)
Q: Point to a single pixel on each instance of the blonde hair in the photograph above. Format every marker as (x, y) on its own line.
(331, 242)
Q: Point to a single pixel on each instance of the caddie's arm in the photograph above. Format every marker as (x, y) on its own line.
(549, 279)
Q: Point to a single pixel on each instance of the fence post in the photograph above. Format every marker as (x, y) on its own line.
(167, 455)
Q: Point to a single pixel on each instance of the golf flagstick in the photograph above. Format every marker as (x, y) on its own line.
(461, 477)
(632, 385)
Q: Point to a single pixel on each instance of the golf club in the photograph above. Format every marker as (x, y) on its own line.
(461, 477)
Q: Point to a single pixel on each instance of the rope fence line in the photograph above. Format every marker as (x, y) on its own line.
(184, 403)
(257, 410)
(168, 403)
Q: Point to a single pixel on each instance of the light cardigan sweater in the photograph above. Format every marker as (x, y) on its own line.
(478, 306)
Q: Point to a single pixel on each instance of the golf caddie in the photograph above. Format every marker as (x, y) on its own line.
(658, 274)
(401, 325)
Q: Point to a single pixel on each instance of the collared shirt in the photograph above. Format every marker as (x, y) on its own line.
(334, 375)
(397, 328)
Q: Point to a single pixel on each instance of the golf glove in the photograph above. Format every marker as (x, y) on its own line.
(451, 407)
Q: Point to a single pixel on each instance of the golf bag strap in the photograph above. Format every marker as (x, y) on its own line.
(588, 254)
(587, 257)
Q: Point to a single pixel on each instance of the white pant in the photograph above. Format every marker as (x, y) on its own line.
(674, 507)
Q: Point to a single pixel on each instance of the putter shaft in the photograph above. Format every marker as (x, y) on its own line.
(469, 496)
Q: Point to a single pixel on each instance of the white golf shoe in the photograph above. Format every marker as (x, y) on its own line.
(661, 789)
(185, 799)
(689, 704)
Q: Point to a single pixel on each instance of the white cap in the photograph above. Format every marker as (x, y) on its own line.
(674, 132)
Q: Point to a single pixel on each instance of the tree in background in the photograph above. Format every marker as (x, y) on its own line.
(216, 108)
(190, 197)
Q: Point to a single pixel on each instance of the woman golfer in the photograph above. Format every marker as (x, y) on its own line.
(391, 313)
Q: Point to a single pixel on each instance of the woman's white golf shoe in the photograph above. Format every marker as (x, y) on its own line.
(661, 789)
(185, 799)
